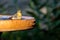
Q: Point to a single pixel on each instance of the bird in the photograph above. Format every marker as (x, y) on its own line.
(18, 15)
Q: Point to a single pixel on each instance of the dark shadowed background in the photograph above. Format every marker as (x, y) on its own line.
(10, 7)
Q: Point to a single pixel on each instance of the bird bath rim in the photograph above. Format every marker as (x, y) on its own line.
(15, 24)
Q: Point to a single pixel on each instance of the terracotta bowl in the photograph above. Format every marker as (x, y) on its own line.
(16, 24)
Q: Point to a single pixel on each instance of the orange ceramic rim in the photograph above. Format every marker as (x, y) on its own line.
(12, 25)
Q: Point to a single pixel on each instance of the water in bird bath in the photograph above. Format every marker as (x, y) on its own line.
(4, 17)
(8, 17)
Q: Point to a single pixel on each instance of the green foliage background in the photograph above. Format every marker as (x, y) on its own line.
(52, 22)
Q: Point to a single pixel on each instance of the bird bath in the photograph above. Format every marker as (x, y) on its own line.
(7, 24)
